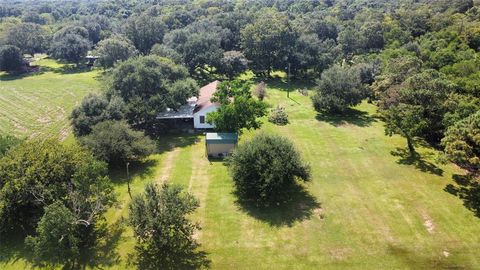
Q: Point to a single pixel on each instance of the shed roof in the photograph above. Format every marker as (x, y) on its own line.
(212, 137)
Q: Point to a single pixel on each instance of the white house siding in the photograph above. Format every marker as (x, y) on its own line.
(204, 112)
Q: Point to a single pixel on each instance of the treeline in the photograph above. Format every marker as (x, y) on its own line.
(417, 59)
(219, 37)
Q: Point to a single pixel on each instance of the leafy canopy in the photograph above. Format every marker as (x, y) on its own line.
(163, 232)
(56, 241)
(338, 89)
(462, 143)
(405, 120)
(115, 142)
(144, 31)
(30, 38)
(239, 109)
(93, 110)
(71, 44)
(149, 85)
(114, 49)
(36, 174)
(10, 58)
(266, 168)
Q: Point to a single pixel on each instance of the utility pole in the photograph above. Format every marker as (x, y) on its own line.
(128, 181)
(288, 80)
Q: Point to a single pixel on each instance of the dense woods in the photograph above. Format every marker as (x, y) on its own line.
(418, 61)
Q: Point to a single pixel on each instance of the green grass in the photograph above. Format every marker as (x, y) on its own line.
(368, 206)
(373, 209)
(37, 105)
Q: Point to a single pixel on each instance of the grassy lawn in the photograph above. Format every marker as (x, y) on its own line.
(37, 105)
(368, 205)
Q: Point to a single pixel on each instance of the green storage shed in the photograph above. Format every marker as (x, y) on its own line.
(219, 145)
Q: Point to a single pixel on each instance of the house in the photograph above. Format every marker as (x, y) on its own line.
(203, 106)
(194, 112)
(219, 145)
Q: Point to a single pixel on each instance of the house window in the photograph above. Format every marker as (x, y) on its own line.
(202, 119)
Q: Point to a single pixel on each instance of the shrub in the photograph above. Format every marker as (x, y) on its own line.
(278, 116)
(164, 234)
(339, 88)
(10, 58)
(266, 169)
(117, 143)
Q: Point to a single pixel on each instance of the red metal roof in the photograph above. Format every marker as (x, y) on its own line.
(205, 94)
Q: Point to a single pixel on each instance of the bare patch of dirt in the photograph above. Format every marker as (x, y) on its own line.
(318, 212)
(19, 127)
(64, 133)
(60, 114)
(428, 223)
(44, 120)
(339, 253)
(167, 166)
(446, 253)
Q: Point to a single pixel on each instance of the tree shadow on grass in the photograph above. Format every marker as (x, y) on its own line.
(300, 206)
(283, 85)
(104, 253)
(12, 77)
(416, 160)
(12, 248)
(64, 69)
(170, 142)
(349, 117)
(146, 168)
(142, 169)
(467, 188)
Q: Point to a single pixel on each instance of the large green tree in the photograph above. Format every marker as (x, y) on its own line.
(198, 45)
(267, 42)
(30, 38)
(116, 143)
(428, 89)
(164, 234)
(113, 50)
(145, 31)
(232, 64)
(56, 241)
(93, 110)
(10, 58)
(36, 174)
(149, 85)
(71, 44)
(462, 143)
(265, 169)
(167, 52)
(338, 89)
(407, 121)
(239, 110)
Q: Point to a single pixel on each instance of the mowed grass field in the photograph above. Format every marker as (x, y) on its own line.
(368, 206)
(37, 105)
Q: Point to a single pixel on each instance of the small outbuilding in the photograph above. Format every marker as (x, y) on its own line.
(219, 145)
